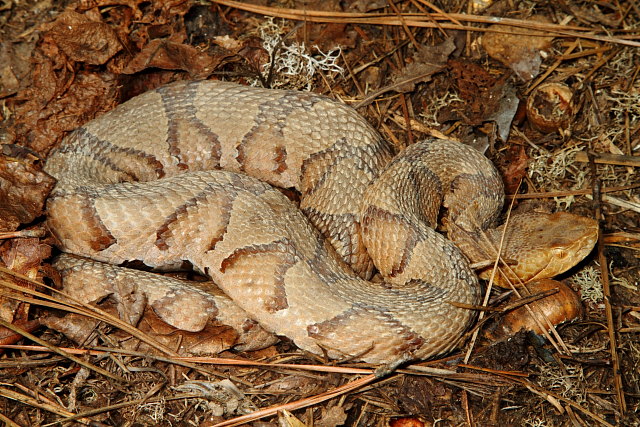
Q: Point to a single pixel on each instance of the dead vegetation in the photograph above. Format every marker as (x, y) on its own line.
(414, 68)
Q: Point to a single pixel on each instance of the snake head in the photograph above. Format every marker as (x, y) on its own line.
(543, 245)
(573, 237)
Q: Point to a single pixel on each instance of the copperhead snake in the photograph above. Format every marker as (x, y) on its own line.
(186, 173)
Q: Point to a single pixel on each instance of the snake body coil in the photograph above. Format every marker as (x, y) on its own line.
(185, 173)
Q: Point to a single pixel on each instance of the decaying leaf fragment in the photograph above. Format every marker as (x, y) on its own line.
(23, 190)
(211, 340)
(23, 256)
(172, 55)
(556, 308)
(517, 48)
(485, 98)
(427, 61)
(84, 40)
(223, 397)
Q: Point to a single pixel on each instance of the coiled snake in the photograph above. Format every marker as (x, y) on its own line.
(185, 173)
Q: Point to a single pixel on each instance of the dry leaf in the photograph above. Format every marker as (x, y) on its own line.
(327, 37)
(23, 191)
(223, 397)
(427, 61)
(40, 123)
(506, 110)
(84, 40)
(287, 419)
(516, 48)
(211, 340)
(332, 417)
(294, 383)
(516, 162)
(9, 337)
(171, 55)
(23, 256)
(8, 80)
(75, 327)
(485, 98)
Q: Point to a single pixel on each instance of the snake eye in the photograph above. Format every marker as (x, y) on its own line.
(559, 253)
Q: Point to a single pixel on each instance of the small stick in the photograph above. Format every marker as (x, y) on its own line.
(407, 30)
(440, 11)
(36, 232)
(604, 266)
(609, 159)
(553, 67)
(407, 118)
(586, 191)
(372, 96)
(420, 20)
(584, 53)
(298, 404)
(599, 64)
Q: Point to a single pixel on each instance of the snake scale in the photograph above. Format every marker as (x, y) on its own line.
(187, 172)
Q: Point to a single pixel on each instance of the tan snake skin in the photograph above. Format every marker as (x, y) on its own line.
(142, 183)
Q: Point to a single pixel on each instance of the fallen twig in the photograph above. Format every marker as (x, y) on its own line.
(425, 21)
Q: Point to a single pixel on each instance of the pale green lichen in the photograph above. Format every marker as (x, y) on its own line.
(294, 67)
(548, 170)
(590, 283)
